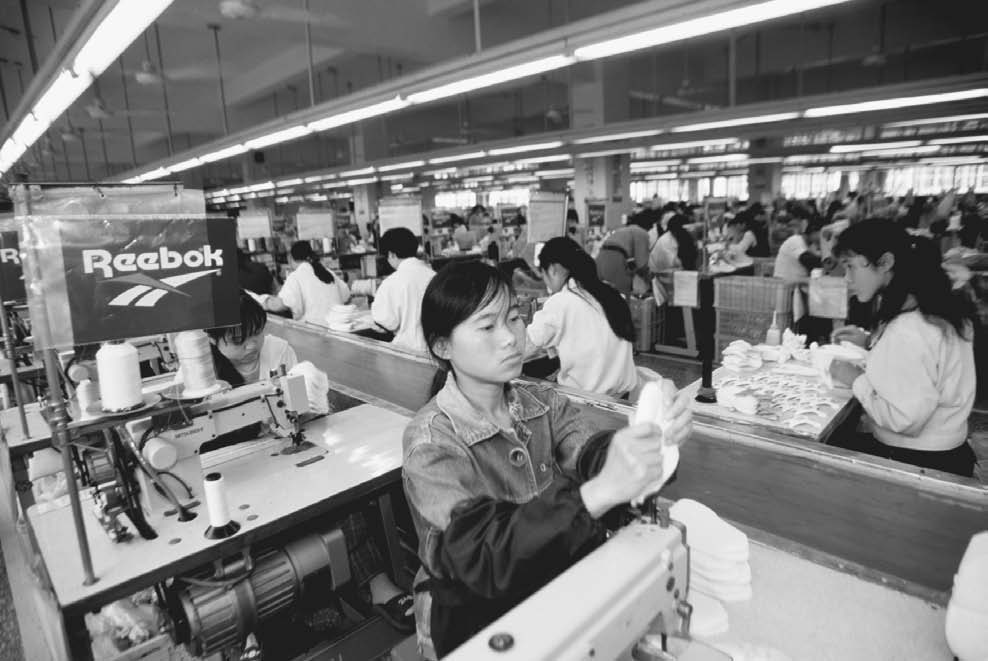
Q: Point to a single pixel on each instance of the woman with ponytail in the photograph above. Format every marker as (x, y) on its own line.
(586, 321)
(918, 386)
(310, 290)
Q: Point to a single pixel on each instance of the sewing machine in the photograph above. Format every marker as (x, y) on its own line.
(168, 445)
(626, 600)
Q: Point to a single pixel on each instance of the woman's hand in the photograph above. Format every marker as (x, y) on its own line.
(844, 373)
(634, 461)
(853, 334)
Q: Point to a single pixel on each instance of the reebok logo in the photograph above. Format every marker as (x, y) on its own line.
(10, 256)
(147, 291)
(162, 260)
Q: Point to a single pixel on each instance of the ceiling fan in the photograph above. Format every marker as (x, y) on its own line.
(149, 74)
(254, 9)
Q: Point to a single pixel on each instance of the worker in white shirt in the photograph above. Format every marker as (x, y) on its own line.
(585, 321)
(310, 290)
(397, 306)
(800, 253)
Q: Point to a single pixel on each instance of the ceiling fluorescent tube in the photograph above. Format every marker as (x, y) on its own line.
(226, 152)
(740, 121)
(631, 135)
(543, 159)
(357, 173)
(898, 102)
(289, 182)
(400, 166)
(725, 20)
(185, 165)
(938, 120)
(157, 173)
(959, 140)
(62, 92)
(458, 157)
(714, 142)
(886, 153)
(283, 135)
(31, 128)
(875, 146)
(352, 116)
(542, 146)
(723, 158)
(121, 27)
(490, 79)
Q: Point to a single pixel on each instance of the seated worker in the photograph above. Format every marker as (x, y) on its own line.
(310, 290)
(623, 255)
(741, 238)
(397, 305)
(918, 386)
(243, 354)
(585, 321)
(676, 248)
(800, 253)
(506, 482)
(464, 237)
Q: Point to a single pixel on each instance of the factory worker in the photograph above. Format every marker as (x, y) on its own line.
(918, 386)
(506, 482)
(243, 354)
(310, 290)
(800, 253)
(741, 235)
(624, 254)
(585, 321)
(398, 303)
(675, 249)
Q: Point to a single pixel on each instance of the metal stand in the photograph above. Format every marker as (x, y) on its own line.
(705, 339)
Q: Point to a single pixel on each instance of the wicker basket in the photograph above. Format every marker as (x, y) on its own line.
(753, 294)
(748, 326)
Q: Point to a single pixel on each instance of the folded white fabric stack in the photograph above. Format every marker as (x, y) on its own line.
(967, 612)
(718, 553)
(343, 318)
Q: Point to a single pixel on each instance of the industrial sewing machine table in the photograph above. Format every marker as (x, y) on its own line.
(356, 455)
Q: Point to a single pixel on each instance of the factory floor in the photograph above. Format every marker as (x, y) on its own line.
(681, 370)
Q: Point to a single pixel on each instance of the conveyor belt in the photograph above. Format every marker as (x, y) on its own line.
(889, 518)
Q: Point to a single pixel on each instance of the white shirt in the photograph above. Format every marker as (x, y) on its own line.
(787, 265)
(591, 356)
(309, 297)
(398, 303)
(665, 254)
(919, 385)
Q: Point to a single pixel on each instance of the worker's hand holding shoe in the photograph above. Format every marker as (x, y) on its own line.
(634, 461)
(844, 373)
(853, 334)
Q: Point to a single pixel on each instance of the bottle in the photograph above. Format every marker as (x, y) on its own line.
(773, 337)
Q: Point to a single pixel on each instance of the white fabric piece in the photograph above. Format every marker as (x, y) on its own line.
(708, 532)
(727, 592)
(654, 402)
(787, 264)
(591, 356)
(309, 297)
(709, 616)
(398, 304)
(316, 386)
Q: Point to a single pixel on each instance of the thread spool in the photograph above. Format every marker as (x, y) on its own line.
(87, 392)
(220, 523)
(196, 362)
(119, 372)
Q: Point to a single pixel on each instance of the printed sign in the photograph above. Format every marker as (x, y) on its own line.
(546, 216)
(11, 270)
(122, 277)
(315, 224)
(400, 212)
(253, 226)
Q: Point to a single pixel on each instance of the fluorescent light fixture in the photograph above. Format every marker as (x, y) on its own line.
(289, 182)
(960, 140)
(697, 175)
(654, 164)
(400, 166)
(250, 196)
(541, 146)
(654, 177)
(318, 177)
(696, 27)
(885, 153)
(357, 173)
(693, 144)
(522, 179)
(219, 193)
(458, 157)
(266, 185)
(738, 121)
(555, 174)
(765, 159)
(902, 144)
(316, 198)
(352, 116)
(30, 129)
(65, 89)
(898, 102)
(226, 152)
(283, 135)
(608, 152)
(721, 158)
(281, 200)
(397, 177)
(489, 79)
(157, 173)
(121, 27)
(335, 184)
(132, 180)
(939, 120)
(954, 160)
(361, 182)
(478, 180)
(554, 158)
(630, 135)
(185, 165)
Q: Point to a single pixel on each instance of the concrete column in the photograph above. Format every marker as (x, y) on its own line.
(764, 179)
(365, 199)
(606, 178)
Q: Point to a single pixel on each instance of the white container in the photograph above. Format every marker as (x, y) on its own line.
(119, 370)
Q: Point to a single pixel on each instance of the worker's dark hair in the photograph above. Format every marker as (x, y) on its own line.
(455, 293)
(302, 252)
(253, 319)
(814, 224)
(400, 241)
(568, 254)
(686, 251)
(917, 271)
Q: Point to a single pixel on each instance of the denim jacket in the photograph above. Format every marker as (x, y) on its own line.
(497, 511)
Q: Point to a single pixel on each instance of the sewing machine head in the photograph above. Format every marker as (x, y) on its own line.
(168, 446)
(620, 602)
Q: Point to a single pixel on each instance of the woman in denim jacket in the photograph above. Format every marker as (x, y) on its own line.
(507, 484)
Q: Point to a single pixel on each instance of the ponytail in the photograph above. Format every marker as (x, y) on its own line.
(686, 252)
(302, 252)
(582, 268)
